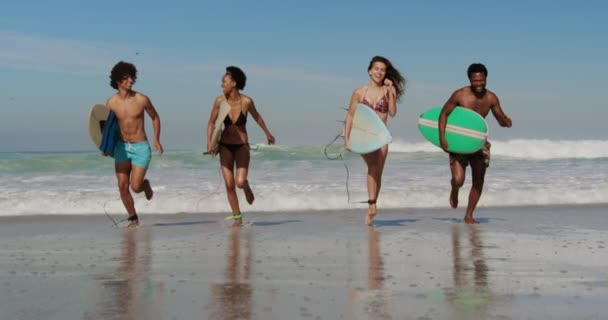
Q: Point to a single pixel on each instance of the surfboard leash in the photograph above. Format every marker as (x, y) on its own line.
(340, 156)
(216, 190)
(110, 217)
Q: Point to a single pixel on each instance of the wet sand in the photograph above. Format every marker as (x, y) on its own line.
(519, 263)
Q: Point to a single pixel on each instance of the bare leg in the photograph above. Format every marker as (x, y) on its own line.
(382, 155)
(458, 174)
(227, 162)
(123, 172)
(375, 166)
(148, 189)
(478, 169)
(372, 186)
(242, 169)
(249, 196)
(139, 184)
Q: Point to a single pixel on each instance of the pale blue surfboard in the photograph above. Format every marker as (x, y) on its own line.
(368, 132)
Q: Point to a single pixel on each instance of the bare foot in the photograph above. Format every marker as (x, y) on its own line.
(148, 189)
(238, 219)
(470, 220)
(454, 198)
(249, 194)
(133, 221)
(371, 213)
(133, 224)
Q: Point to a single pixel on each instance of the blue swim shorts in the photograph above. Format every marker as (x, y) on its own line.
(137, 152)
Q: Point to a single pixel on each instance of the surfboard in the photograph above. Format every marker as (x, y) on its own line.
(219, 123)
(103, 128)
(466, 130)
(368, 132)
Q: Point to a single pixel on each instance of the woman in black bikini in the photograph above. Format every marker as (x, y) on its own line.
(381, 93)
(234, 146)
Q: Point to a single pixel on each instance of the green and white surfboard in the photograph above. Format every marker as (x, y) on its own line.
(466, 130)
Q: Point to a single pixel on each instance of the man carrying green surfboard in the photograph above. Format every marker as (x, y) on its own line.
(477, 98)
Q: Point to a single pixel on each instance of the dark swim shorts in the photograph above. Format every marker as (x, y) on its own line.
(465, 159)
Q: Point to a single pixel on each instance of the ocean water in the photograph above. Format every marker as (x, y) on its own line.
(286, 178)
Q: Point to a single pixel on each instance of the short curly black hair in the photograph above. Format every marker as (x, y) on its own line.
(475, 68)
(120, 71)
(238, 76)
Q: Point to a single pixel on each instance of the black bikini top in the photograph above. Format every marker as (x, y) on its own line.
(242, 120)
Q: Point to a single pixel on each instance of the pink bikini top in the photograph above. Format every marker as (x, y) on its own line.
(380, 106)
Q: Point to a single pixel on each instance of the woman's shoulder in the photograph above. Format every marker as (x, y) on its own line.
(359, 91)
(219, 99)
(246, 99)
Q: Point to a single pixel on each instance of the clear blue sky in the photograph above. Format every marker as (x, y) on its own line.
(546, 62)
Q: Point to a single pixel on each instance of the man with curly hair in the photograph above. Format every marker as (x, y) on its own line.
(481, 100)
(132, 153)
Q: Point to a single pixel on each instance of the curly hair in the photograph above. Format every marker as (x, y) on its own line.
(237, 75)
(475, 68)
(392, 74)
(120, 71)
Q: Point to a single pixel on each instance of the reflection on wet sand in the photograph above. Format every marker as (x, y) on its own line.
(128, 293)
(374, 298)
(471, 290)
(232, 298)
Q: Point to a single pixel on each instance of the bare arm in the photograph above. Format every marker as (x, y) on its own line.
(151, 111)
(348, 123)
(448, 107)
(258, 118)
(109, 104)
(211, 124)
(500, 116)
(391, 92)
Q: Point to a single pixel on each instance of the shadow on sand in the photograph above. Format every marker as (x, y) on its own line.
(183, 223)
(392, 223)
(459, 220)
(273, 223)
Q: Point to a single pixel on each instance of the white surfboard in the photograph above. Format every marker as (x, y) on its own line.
(368, 133)
(97, 118)
(219, 123)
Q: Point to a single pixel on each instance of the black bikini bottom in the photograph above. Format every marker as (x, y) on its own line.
(232, 147)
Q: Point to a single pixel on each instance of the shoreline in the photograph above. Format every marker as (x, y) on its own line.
(362, 206)
(527, 262)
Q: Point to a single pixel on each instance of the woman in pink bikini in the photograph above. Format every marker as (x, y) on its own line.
(381, 93)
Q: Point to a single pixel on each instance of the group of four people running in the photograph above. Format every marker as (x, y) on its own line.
(382, 93)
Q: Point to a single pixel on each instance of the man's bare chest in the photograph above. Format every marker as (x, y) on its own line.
(128, 110)
(480, 105)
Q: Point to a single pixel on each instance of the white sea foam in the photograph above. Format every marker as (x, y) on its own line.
(286, 197)
(532, 149)
(301, 178)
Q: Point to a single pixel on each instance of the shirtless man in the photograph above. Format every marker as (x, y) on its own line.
(477, 98)
(132, 153)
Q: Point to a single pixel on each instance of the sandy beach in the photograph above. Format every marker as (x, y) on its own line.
(519, 263)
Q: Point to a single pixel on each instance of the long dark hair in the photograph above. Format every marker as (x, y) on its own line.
(392, 74)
